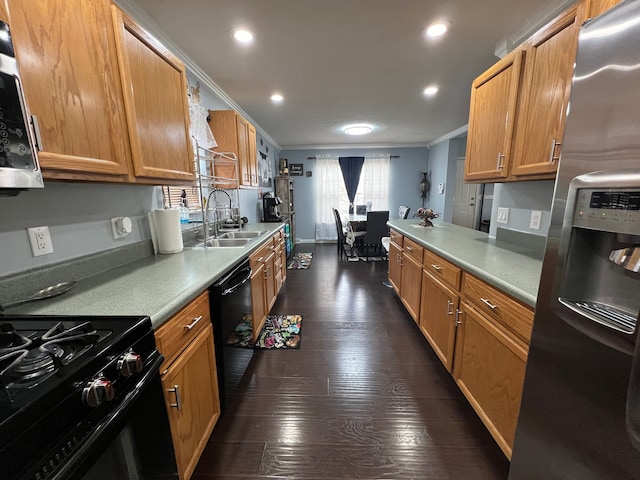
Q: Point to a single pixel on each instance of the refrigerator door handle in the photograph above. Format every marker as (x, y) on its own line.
(632, 413)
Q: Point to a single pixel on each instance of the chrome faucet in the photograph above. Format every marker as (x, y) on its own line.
(216, 223)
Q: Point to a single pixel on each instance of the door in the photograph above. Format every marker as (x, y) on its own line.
(395, 267)
(192, 400)
(155, 92)
(438, 318)
(466, 211)
(71, 83)
(550, 57)
(494, 96)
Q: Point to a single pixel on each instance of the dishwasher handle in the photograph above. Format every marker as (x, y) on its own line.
(233, 282)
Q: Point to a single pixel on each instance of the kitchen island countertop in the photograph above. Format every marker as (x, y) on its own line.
(514, 269)
(157, 285)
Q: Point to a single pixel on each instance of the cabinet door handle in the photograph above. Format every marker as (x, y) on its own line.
(457, 319)
(436, 267)
(552, 157)
(178, 404)
(449, 307)
(500, 158)
(488, 304)
(36, 132)
(193, 323)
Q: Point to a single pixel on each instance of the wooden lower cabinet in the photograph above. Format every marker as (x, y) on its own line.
(268, 267)
(189, 381)
(479, 333)
(438, 318)
(258, 307)
(193, 403)
(395, 266)
(411, 282)
(489, 369)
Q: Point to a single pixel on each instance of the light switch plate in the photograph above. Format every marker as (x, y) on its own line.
(503, 215)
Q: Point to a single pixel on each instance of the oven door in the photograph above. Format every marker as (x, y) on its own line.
(132, 442)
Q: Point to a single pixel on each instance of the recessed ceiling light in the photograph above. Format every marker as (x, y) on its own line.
(276, 97)
(436, 29)
(430, 91)
(358, 129)
(243, 35)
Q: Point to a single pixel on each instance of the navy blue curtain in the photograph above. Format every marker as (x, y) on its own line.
(351, 168)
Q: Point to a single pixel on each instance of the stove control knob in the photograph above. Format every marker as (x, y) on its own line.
(129, 364)
(97, 391)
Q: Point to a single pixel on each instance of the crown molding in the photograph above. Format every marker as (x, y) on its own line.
(453, 134)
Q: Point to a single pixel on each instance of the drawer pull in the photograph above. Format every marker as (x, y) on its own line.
(178, 404)
(449, 307)
(408, 249)
(193, 323)
(436, 267)
(488, 304)
(259, 259)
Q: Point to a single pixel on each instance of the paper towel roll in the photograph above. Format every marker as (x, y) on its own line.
(168, 231)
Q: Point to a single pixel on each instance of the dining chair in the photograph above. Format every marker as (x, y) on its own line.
(376, 229)
(403, 212)
(342, 236)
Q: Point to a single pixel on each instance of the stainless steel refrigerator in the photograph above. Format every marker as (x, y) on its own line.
(580, 411)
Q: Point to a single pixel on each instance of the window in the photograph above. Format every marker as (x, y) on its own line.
(331, 192)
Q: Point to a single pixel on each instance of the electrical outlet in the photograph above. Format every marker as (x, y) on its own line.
(503, 215)
(536, 220)
(40, 241)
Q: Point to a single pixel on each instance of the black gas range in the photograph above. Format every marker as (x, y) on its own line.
(81, 397)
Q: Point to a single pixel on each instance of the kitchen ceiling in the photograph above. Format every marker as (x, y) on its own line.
(346, 61)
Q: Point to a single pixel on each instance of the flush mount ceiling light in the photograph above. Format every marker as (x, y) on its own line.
(430, 91)
(243, 35)
(357, 129)
(277, 98)
(436, 29)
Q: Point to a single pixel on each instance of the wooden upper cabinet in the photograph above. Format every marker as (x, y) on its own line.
(549, 58)
(157, 110)
(234, 134)
(598, 7)
(66, 54)
(4, 14)
(494, 97)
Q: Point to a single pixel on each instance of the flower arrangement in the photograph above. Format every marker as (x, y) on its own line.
(426, 215)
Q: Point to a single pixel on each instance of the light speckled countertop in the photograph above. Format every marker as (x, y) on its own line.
(514, 269)
(157, 286)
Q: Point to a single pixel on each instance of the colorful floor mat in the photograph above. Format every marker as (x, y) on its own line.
(300, 261)
(280, 331)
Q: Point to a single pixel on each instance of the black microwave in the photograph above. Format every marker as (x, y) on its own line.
(19, 167)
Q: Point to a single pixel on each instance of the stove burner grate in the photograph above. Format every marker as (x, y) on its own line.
(25, 362)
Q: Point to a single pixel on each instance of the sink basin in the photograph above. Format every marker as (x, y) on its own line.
(245, 234)
(227, 242)
(219, 242)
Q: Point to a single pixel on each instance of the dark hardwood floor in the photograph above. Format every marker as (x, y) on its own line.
(365, 397)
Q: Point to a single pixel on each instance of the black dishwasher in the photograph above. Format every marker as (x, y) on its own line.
(230, 304)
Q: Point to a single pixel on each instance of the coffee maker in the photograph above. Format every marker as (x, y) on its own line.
(270, 210)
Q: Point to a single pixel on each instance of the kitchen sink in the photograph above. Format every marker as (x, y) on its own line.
(245, 234)
(219, 242)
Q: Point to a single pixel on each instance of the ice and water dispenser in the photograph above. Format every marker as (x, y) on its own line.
(600, 242)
